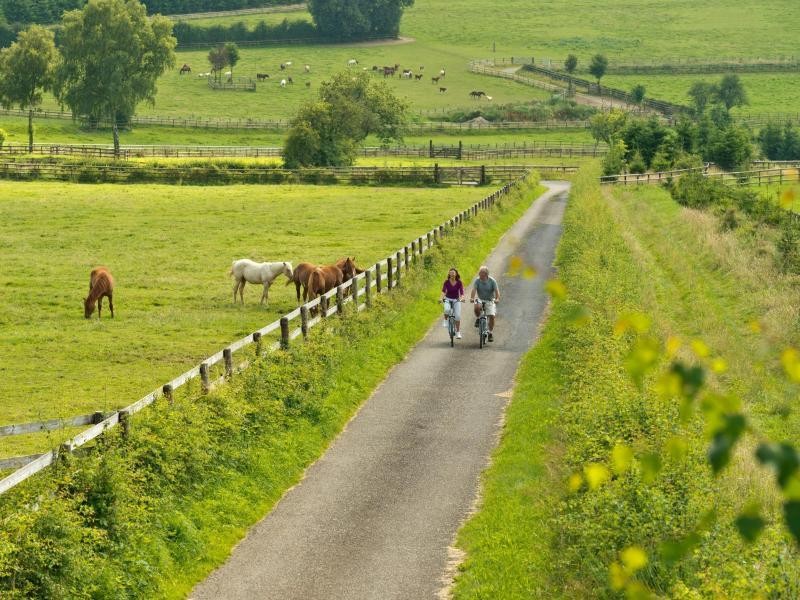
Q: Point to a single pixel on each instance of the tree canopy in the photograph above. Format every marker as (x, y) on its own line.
(598, 67)
(350, 107)
(356, 19)
(113, 54)
(26, 70)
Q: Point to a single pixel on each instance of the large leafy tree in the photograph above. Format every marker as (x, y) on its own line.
(26, 71)
(570, 64)
(356, 19)
(730, 92)
(113, 54)
(350, 107)
(598, 67)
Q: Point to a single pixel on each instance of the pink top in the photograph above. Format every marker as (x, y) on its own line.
(453, 291)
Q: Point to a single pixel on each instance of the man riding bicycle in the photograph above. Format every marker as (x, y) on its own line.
(487, 290)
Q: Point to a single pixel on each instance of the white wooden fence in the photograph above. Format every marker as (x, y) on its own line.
(380, 277)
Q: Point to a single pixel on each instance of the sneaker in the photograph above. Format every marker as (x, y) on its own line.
(491, 338)
(458, 335)
(477, 321)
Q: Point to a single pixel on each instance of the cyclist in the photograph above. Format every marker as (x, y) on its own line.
(453, 289)
(487, 291)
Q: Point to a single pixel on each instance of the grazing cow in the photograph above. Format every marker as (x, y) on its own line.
(288, 63)
(283, 83)
(352, 62)
(101, 283)
(262, 76)
(418, 77)
(185, 69)
(488, 97)
(308, 68)
(476, 94)
(245, 270)
(434, 80)
(283, 66)
(289, 80)
(422, 67)
(442, 90)
(407, 73)
(388, 71)
(441, 72)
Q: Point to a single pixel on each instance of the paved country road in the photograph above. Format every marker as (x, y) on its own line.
(373, 518)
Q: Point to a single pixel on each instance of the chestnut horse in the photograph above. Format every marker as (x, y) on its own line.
(101, 283)
(303, 271)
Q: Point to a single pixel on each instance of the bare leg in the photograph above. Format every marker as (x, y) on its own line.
(491, 323)
(477, 308)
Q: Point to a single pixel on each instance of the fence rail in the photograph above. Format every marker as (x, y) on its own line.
(766, 176)
(361, 288)
(122, 172)
(462, 151)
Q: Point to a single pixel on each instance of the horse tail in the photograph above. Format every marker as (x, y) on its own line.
(230, 273)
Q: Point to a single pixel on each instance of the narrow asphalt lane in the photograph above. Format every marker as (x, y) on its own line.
(374, 517)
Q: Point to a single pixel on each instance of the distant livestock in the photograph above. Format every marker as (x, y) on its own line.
(308, 68)
(283, 83)
(352, 62)
(442, 90)
(248, 271)
(101, 284)
(262, 76)
(476, 94)
(434, 80)
(185, 69)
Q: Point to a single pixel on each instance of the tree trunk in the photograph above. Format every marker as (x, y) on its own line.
(116, 138)
(30, 131)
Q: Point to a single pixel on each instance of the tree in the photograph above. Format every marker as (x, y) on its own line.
(730, 92)
(598, 68)
(637, 94)
(218, 57)
(357, 19)
(701, 93)
(570, 64)
(771, 140)
(606, 126)
(232, 52)
(113, 55)
(327, 131)
(26, 71)
(729, 147)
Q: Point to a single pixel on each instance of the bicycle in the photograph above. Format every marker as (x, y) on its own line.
(451, 319)
(483, 325)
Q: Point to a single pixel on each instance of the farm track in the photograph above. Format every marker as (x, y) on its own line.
(374, 517)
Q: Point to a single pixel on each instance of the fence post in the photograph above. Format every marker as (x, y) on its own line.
(389, 272)
(414, 251)
(435, 236)
(339, 301)
(284, 333)
(228, 358)
(204, 383)
(397, 269)
(368, 288)
(354, 291)
(304, 320)
(323, 306)
(257, 340)
(378, 277)
(429, 239)
(483, 174)
(405, 256)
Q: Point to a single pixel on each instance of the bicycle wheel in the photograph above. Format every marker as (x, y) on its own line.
(481, 333)
(451, 326)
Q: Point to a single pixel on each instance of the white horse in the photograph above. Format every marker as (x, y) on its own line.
(245, 270)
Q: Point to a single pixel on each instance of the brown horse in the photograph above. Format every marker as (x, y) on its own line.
(101, 283)
(303, 271)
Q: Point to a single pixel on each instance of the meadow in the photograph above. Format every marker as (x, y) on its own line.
(170, 249)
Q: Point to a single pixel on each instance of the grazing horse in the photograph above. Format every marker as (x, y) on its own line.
(245, 270)
(434, 79)
(476, 94)
(352, 62)
(303, 271)
(185, 69)
(442, 90)
(262, 76)
(101, 283)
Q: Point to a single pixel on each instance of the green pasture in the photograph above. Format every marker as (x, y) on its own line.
(767, 92)
(170, 249)
(250, 19)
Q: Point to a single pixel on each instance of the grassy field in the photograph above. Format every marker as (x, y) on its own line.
(767, 92)
(170, 249)
(636, 249)
(252, 19)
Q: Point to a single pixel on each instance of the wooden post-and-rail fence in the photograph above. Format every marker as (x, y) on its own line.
(361, 287)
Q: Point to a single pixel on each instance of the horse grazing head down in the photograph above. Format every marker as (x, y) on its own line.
(101, 283)
(288, 271)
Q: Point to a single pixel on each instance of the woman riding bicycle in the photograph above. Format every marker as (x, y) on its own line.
(453, 289)
(488, 292)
